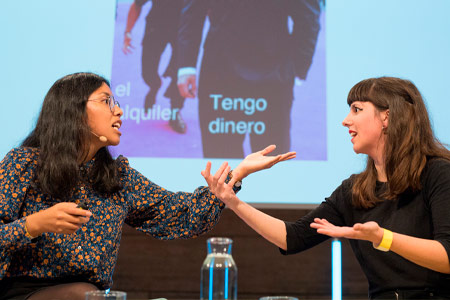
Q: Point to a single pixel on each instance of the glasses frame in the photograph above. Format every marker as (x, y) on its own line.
(110, 101)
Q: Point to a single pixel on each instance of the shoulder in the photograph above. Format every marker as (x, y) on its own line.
(22, 154)
(436, 174)
(122, 163)
(343, 191)
(20, 163)
(123, 166)
(436, 167)
(347, 184)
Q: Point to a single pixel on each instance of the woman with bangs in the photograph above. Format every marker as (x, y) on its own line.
(396, 213)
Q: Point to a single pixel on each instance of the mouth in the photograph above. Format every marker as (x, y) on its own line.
(352, 134)
(117, 125)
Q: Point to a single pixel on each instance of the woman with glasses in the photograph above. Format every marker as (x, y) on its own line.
(64, 199)
(396, 213)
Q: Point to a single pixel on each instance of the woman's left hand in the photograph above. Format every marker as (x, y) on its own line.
(260, 160)
(217, 186)
(369, 231)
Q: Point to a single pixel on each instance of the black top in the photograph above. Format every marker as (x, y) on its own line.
(425, 214)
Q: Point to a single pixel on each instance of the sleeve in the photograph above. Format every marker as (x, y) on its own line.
(16, 173)
(300, 236)
(305, 14)
(164, 214)
(192, 18)
(437, 185)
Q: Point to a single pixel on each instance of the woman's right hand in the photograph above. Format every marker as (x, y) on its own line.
(64, 217)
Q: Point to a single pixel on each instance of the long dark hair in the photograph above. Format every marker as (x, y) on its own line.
(409, 139)
(62, 136)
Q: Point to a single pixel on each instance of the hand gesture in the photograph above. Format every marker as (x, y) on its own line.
(63, 217)
(259, 160)
(217, 186)
(127, 47)
(369, 231)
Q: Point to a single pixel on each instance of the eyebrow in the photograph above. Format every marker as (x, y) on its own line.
(354, 103)
(105, 94)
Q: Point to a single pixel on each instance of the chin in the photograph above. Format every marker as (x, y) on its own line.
(114, 143)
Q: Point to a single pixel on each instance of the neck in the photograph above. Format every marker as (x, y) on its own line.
(381, 170)
(91, 151)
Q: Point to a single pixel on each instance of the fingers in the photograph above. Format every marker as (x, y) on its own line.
(268, 149)
(289, 155)
(207, 171)
(220, 171)
(77, 221)
(76, 211)
(224, 175)
(127, 48)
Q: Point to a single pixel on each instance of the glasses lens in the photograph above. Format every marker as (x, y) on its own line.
(114, 102)
(111, 103)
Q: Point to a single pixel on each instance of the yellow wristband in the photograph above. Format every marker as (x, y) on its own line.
(386, 242)
(27, 234)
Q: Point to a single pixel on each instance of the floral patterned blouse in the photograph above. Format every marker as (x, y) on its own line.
(91, 252)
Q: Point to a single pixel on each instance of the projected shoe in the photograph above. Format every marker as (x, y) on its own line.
(178, 124)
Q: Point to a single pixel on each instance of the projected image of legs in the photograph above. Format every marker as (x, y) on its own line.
(258, 70)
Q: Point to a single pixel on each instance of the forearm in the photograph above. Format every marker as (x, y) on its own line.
(272, 229)
(430, 254)
(133, 15)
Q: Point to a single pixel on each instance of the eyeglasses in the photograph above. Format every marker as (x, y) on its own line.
(109, 100)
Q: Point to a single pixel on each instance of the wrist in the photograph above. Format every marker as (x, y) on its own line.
(239, 172)
(234, 203)
(128, 34)
(386, 241)
(31, 228)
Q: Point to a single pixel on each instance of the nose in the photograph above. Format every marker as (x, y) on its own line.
(346, 121)
(118, 111)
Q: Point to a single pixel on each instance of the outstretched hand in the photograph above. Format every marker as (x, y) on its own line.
(369, 231)
(260, 160)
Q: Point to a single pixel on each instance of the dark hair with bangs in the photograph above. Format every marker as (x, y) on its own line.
(409, 139)
(62, 134)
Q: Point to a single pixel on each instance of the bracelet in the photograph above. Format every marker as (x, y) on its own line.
(27, 234)
(386, 242)
(128, 35)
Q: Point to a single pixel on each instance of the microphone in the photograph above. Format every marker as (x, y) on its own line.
(102, 138)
